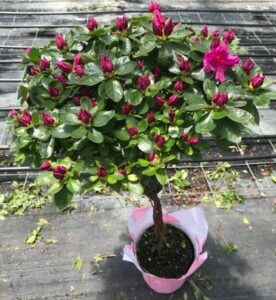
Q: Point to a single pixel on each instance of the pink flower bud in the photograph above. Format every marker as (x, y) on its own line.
(171, 115)
(121, 23)
(77, 100)
(59, 172)
(220, 99)
(161, 26)
(156, 73)
(248, 66)
(172, 100)
(44, 64)
(143, 82)
(79, 69)
(154, 6)
(184, 137)
(61, 78)
(24, 119)
(77, 60)
(33, 71)
(60, 41)
(48, 120)
(216, 33)
(159, 140)
(84, 116)
(257, 81)
(159, 101)
(193, 140)
(28, 50)
(92, 24)
(228, 36)
(46, 165)
(152, 156)
(122, 172)
(53, 92)
(106, 64)
(64, 66)
(13, 113)
(126, 108)
(101, 172)
(184, 65)
(133, 131)
(215, 43)
(140, 63)
(196, 40)
(168, 27)
(204, 30)
(178, 85)
(150, 117)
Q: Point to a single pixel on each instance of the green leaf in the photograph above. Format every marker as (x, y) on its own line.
(239, 115)
(74, 185)
(136, 187)
(173, 131)
(41, 133)
(273, 178)
(196, 106)
(63, 131)
(34, 55)
(209, 87)
(142, 125)
(79, 133)
(69, 118)
(122, 134)
(126, 46)
(231, 131)
(95, 136)
(126, 68)
(111, 179)
(63, 199)
(145, 145)
(161, 176)
(102, 118)
(145, 48)
(165, 55)
(168, 158)
(261, 100)
(45, 178)
(179, 33)
(134, 97)
(46, 149)
(78, 263)
(150, 171)
(143, 162)
(132, 177)
(206, 124)
(114, 90)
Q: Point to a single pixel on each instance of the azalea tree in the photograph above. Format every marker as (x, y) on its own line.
(120, 102)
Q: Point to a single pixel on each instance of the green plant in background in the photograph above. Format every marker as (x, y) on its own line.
(219, 171)
(179, 180)
(22, 198)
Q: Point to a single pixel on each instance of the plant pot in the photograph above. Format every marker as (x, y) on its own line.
(191, 221)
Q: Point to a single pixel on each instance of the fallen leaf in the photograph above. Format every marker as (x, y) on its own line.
(245, 220)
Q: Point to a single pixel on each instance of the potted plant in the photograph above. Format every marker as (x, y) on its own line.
(120, 102)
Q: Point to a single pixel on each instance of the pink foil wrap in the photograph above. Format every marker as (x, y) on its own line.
(192, 221)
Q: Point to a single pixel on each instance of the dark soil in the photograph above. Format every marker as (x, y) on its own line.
(176, 255)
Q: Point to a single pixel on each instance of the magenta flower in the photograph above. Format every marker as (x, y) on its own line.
(159, 101)
(156, 73)
(44, 64)
(84, 116)
(79, 69)
(46, 165)
(248, 66)
(159, 140)
(152, 156)
(59, 172)
(61, 78)
(172, 99)
(64, 66)
(178, 85)
(133, 131)
(204, 30)
(219, 60)
(140, 63)
(92, 24)
(150, 117)
(48, 120)
(60, 41)
(143, 82)
(122, 172)
(184, 65)
(101, 172)
(160, 25)
(220, 99)
(184, 137)
(171, 115)
(228, 36)
(193, 140)
(153, 6)
(77, 100)
(121, 23)
(126, 108)
(24, 119)
(106, 63)
(257, 81)
(53, 92)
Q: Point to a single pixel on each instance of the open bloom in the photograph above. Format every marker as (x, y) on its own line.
(106, 63)
(44, 64)
(159, 140)
(101, 172)
(220, 99)
(204, 30)
(160, 25)
(64, 66)
(153, 6)
(219, 60)
(46, 165)
(91, 24)
(248, 66)
(53, 92)
(121, 23)
(126, 108)
(84, 116)
(143, 82)
(59, 172)
(257, 80)
(228, 36)
(133, 131)
(48, 120)
(24, 119)
(172, 99)
(60, 41)
(150, 117)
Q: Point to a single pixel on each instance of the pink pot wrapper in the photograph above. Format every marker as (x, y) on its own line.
(191, 221)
